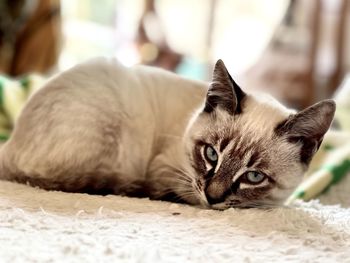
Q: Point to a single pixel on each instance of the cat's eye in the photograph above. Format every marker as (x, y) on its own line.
(253, 177)
(210, 154)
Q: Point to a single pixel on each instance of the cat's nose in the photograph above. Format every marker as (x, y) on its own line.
(213, 201)
(215, 193)
(218, 190)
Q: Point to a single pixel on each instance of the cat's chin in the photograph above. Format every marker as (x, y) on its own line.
(225, 206)
(194, 200)
(246, 205)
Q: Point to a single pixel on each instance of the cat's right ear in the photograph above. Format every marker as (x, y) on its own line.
(223, 92)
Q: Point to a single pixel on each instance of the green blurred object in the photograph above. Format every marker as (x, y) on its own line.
(13, 95)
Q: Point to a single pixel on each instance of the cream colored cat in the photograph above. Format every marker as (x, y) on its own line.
(103, 128)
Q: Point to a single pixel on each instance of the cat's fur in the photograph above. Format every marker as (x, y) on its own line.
(141, 131)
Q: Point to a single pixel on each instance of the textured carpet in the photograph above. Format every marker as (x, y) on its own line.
(41, 226)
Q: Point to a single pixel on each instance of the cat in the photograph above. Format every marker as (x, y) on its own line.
(104, 128)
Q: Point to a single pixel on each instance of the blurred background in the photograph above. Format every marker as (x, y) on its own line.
(297, 50)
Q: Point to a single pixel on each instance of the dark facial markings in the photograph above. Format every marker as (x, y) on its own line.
(224, 143)
(198, 163)
(257, 193)
(246, 146)
(253, 159)
(218, 185)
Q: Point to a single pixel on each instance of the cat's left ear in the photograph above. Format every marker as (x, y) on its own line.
(224, 92)
(308, 127)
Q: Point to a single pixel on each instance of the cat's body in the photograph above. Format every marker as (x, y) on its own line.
(101, 127)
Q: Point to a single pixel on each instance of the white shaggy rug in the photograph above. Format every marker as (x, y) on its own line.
(41, 226)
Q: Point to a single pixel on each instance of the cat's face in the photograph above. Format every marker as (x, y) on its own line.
(250, 151)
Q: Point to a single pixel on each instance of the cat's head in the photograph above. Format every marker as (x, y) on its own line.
(248, 150)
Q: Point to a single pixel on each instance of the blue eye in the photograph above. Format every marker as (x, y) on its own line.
(210, 154)
(254, 177)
